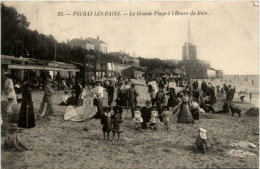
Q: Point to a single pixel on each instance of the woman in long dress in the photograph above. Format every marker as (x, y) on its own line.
(82, 97)
(172, 101)
(98, 98)
(184, 115)
(47, 105)
(26, 115)
(121, 95)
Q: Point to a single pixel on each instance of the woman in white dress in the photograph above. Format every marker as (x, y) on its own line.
(9, 92)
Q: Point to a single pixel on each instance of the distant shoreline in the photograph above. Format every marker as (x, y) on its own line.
(243, 75)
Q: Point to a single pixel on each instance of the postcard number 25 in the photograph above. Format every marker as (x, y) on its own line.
(60, 13)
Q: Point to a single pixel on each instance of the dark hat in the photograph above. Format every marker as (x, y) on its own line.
(154, 107)
(117, 108)
(161, 87)
(138, 107)
(166, 107)
(147, 102)
(10, 99)
(98, 82)
(171, 88)
(111, 82)
(107, 108)
(30, 84)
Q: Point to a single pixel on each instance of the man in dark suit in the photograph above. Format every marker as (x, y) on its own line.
(132, 95)
(160, 101)
(78, 89)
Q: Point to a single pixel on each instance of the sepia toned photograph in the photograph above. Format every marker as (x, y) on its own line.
(129, 84)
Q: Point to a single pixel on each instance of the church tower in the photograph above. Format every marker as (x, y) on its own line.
(189, 51)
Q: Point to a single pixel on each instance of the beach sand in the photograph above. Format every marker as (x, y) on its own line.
(62, 144)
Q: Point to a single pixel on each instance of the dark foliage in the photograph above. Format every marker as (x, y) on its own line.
(18, 40)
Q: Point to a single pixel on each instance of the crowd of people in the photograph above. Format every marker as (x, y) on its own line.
(164, 103)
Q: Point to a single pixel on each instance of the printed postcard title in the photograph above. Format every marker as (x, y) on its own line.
(132, 13)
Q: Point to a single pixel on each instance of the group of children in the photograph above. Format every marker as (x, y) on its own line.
(154, 117)
(112, 121)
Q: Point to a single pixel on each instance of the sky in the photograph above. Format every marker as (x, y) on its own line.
(228, 36)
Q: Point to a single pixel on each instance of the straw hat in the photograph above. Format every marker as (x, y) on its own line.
(203, 132)
(7, 74)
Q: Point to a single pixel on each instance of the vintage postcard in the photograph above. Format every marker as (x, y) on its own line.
(129, 84)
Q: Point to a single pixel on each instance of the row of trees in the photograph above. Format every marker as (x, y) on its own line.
(18, 40)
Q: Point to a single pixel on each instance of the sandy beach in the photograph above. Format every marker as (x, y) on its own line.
(62, 144)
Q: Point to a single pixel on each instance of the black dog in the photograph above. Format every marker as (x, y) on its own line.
(235, 110)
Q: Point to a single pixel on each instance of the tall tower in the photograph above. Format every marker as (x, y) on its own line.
(189, 51)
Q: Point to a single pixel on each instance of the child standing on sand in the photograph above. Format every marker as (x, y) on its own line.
(166, 117)
(201, 141)
(117, 120)
(154, 118)
(106, 121)
(137, 117)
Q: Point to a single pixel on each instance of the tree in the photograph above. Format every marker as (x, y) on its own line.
(12, 24)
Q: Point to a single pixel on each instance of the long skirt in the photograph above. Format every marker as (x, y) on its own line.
(160, 110)
(26, 117)
(213, 99)
(185, 115)
(47, 100)
(110, 99)
(172, 102)
(117, 127)
(100, 109)
(123, 102)
(195, 114)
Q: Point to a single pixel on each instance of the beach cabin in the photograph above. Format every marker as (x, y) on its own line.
(15, 62)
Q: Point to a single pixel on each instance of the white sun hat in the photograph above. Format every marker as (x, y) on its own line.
(203, 132)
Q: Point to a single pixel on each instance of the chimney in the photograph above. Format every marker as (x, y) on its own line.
(81, 37)
(97, 37)
(68, 41)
